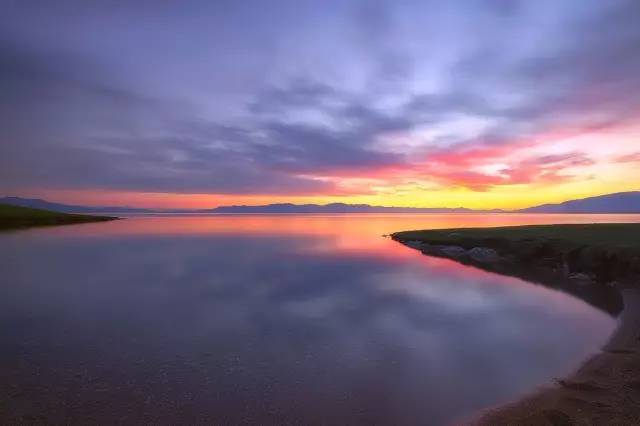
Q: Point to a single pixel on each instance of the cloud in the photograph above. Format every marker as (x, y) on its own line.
(628, 158)
(113, 139)
(386, 91)
(481, 167)
(65, 130)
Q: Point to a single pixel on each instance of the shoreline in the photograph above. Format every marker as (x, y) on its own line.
(605, 388)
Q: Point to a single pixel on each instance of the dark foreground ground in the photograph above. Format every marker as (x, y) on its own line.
(599, 263)
(14, 217)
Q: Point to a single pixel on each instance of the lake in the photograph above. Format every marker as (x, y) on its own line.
(241, 319)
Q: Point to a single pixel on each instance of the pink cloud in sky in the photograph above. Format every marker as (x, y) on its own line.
(629, 158)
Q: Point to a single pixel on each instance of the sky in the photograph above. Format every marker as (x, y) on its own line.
(200, 103)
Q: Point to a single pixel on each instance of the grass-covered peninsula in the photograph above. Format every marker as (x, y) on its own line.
(567, 236)
(14, 217)
(599, 263)
(588, 260)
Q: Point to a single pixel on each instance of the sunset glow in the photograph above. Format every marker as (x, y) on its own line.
(378, 103)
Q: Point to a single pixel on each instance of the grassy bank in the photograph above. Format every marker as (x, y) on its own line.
(14, 217)
(590, 261)
(599, 263)
(612, 235)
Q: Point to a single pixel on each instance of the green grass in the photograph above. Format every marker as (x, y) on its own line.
(603, 235)
(14, 217)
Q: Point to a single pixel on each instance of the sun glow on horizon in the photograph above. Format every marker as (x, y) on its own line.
(546, 169)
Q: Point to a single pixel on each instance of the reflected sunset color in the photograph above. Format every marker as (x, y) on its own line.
(370, 225)
(345, 232)
(274, 319)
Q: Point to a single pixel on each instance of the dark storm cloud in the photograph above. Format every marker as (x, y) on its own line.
(224, 97)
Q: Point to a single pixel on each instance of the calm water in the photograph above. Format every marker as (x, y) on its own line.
(272, 320)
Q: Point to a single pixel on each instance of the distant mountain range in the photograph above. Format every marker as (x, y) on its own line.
(333, 208)
(269, 208)
(624, 202)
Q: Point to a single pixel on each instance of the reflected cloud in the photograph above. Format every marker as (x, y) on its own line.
(262, 318)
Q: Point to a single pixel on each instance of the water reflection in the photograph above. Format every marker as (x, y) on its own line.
(269, 320)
